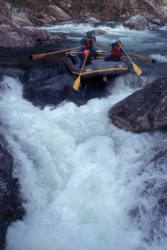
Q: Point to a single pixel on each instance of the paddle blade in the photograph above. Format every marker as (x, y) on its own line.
(77, 82)
(137, 69)
(33, 57)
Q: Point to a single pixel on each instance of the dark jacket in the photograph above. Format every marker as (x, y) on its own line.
(88, 43)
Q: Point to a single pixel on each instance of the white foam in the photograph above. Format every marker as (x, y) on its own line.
(78, 172)
(159, 58)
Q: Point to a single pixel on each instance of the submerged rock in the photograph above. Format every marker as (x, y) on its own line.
(144, 110)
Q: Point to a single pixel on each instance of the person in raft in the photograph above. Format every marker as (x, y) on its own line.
(116, 52)
(87, 47)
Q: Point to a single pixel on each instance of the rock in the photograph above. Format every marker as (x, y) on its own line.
(51, 86)
(144, 110)
(57, 12)
(156, 21)
(153, 191)
(26, 38)
(153, 27)
(41, 37)
(99, 32)
(10, 198)
(136, 22)
(11, 37)
(19, 18)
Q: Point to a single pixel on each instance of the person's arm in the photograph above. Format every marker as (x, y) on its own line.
(82, 42)
(113, 45)
(122, 51)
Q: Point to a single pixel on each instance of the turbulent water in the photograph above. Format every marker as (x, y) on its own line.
(86, 184)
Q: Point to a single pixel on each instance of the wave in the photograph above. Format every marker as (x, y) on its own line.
(159, 58)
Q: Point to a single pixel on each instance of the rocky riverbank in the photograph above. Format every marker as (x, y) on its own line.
(16, 15)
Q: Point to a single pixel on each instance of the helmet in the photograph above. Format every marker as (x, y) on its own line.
(89, 33)
(118, 41)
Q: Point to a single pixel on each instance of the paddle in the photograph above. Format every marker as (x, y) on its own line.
(138, 56)
(104, 45)
(135, 67)
(37, 56)
(76, 84)
(143, 58)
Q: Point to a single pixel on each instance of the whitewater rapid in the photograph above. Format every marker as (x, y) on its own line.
(81, 177)
(79, 174)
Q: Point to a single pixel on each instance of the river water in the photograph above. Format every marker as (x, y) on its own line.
(86, 184)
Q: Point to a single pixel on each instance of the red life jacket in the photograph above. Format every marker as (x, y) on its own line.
(116, 52)
(89, 43)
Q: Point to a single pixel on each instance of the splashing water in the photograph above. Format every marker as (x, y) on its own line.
(79, 174)
(87, 185)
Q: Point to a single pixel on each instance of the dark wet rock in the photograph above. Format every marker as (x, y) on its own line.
(158, 21)
(144, 110)
(153, 27)
(99, 32)
(48, 82)
(137, 22)
(38, 37)
(25, 38)
(151, 211)
(10, 201)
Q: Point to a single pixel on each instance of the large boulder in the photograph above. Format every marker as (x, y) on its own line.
(14, 37)
(57, 12)
(19, 17)
(137, 22)
(144, 110)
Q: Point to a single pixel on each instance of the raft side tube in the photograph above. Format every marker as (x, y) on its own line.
(97, 68)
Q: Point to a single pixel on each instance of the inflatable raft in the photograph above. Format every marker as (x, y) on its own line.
(96, 68)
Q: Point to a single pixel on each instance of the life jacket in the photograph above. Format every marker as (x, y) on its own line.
(116, 52)
(89, 43)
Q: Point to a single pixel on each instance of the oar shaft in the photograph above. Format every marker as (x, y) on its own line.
(60, 51)
(127, 55)
(135, 67)
(142, 57)
(76, 84)
(37, 56)
(104, 45)
(83, 64)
